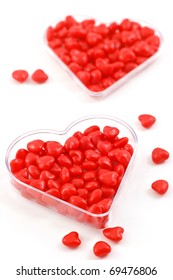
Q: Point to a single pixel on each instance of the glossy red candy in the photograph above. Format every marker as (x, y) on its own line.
(16, 165)
(92, 155)
(71, 239)
(95, 208)
(86, 143)
(39, 184)
(35, 146)
(89, 176)
(122, 156)
(54, 148)
(53, 184)
(68, 190)
(91, 185)
(56, 169)
(110, 132)
(159, 155)
(21, 153)
(108, 178)
(76, 156)
(89, 165)
(30, 159)
(39, 76)
(84, 77)
(72, 143)
(105, 163)
(54, 192)
(20, 75)
(105, 204)
(114, 233)
(64, 175)
(82, 193)
(34, 171)
(78, 201)
(47, 175)
(104, 147)
(64, 160)
(127, 55)
(147, 120)
(45, 162)
(146, 32)
(78, 182)
(101, 249)
(94, 196)
(96, 76)
(75, 171)
(160, 186)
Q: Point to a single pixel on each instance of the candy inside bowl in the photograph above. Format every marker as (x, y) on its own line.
(78, 172)
(102, 56)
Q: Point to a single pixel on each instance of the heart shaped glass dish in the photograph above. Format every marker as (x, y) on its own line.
(87, 167)
(102, 56)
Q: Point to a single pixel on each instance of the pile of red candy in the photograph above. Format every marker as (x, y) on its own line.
(101, 54)
(86, 171)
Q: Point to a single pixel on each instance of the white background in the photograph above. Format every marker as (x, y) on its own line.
(30, 235)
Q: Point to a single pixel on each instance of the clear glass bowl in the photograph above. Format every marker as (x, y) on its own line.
(61, 206)
(122, 80)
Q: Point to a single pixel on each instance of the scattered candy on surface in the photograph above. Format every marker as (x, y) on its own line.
(39, 76)
(101, 54)
(101, 249)
(71, 240)
(159, 155)
(160, 186)
(20, 75)
(147, 120)
(114, 233)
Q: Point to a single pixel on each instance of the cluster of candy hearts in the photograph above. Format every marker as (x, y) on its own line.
(100, 248)
(38, 76)
(101, 54)
(85, 172)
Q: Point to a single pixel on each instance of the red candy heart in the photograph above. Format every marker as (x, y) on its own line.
(71, 239)
(160, 186)
(39, 76)
(159, 155)
(101, 249)
(147, 120)
(114, 233)
(20, 75)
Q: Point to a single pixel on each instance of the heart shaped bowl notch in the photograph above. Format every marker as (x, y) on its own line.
(99, 56)
(79, 172)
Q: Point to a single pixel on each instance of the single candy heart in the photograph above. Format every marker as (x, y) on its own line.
(39, 76)
(101, 249)
(20, 75)
(147, 120)
(159, 155)
(71, 239)
(160, 186)
(114, 233)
